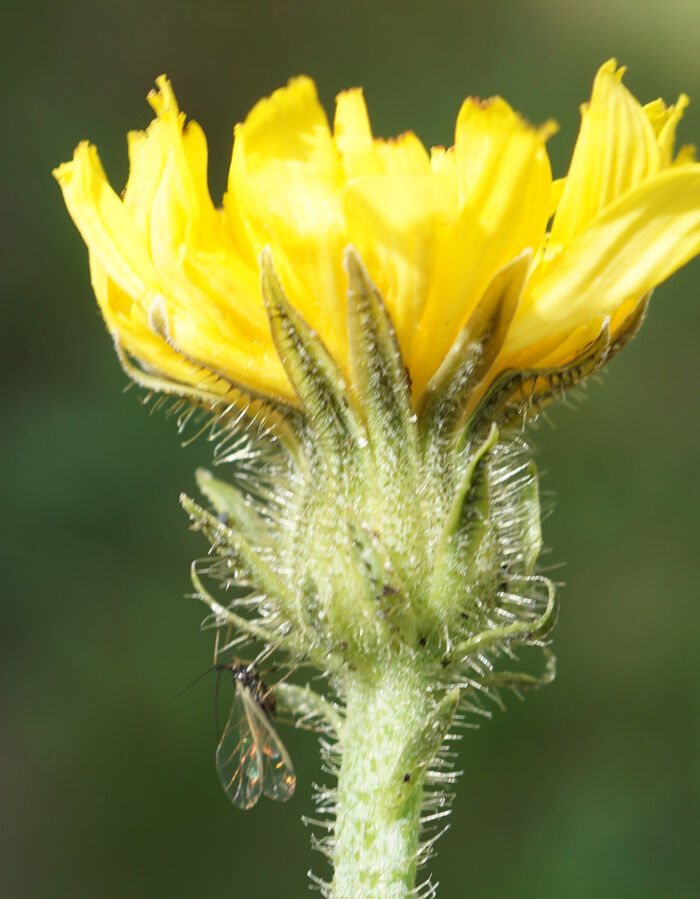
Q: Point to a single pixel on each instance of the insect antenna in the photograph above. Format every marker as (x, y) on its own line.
(264, 653)
(195, 681)
(218, 669)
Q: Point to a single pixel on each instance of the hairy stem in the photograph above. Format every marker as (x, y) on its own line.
(380, 783)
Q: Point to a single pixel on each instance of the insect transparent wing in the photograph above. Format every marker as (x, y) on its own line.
(239, 759)
(278, 778)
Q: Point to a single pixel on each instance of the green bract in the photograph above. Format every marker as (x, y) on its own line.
(391, 549)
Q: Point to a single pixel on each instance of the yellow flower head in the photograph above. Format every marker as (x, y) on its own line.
(178, 279)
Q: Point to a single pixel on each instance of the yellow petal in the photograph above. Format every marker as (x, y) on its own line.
(284, 192)
(197, 284)
(191, 246)
(353, 135)
(494, 147)
(442, 159)
(395, 222)
(128, 322)
(211, 297)
(616, 149)
(147, 155)
(403, 155)
(122, 274)
(503, 179)
(104, 224)
(687, 155)
(632, 246)
(664, 120)
(555, 194)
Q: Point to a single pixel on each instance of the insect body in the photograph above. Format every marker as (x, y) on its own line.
(250, 757)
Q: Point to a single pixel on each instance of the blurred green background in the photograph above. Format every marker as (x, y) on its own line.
(108, 788)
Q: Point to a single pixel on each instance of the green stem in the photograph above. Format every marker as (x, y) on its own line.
(378, 810)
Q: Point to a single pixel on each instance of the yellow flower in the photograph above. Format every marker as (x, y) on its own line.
(178, 279)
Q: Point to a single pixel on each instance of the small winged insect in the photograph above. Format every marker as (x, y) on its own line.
(250, 757)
